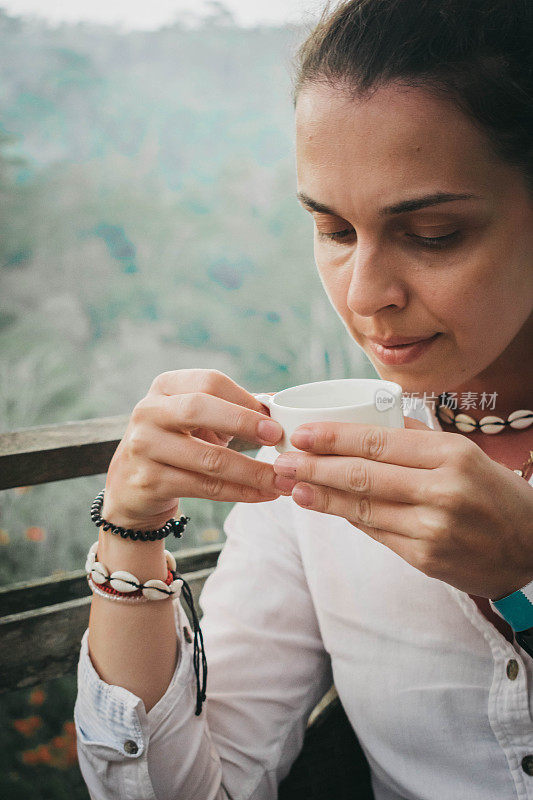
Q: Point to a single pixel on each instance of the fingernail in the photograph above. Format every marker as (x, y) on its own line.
(303, 494)
(269, 430)
(286, 465)
(284, 484)
(302, 439)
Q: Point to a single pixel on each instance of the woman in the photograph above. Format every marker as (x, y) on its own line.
(371, 557)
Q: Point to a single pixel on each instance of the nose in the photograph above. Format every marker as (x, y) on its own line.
(375, 283)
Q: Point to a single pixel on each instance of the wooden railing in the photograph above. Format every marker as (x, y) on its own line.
(42, 621)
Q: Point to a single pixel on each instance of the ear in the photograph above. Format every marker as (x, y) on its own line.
(409, 422)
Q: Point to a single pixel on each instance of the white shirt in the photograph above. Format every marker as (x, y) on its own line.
(300, 599)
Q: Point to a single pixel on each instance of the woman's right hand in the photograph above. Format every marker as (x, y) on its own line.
(175, 446)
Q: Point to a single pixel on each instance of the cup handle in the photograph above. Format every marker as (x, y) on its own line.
(265, 399)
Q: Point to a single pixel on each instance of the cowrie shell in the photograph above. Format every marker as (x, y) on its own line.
(91, 557)
(492, 424)
(175, 587)
(89, 564)
(124, 581)
(99, 573)
(516, 419)
(156, 589)
(445, 413)
(465, 423)
(171, 561)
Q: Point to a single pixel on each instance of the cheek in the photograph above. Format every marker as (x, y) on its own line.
(493, 294)
(489, 303)
(334, 273)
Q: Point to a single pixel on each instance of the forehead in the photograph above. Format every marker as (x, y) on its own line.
(399, 139)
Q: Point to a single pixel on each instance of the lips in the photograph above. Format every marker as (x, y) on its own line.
(396, 341)
(402, 353)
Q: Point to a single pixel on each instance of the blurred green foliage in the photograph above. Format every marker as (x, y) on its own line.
(148, 222)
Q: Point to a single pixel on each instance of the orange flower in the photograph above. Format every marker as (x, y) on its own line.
(72, 753)
(43, 754)
(40, 755)
(30, 757)
(28, 726)
(59, 742)
(60, 752)
(35, 534)
(4, 536)
(37, 697)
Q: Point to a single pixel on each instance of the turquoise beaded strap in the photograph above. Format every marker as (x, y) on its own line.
(517, 608)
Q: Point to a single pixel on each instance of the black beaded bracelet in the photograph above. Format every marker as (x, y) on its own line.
(175, 526)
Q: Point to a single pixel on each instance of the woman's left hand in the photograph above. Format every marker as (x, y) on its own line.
(433, 497)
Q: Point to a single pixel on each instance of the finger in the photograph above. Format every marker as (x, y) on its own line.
(399, 518)
(208, 381)
(211, 436)
(357, 475)
(185, 452)
(401, 545)
(189, 412)
(409, 422)
(402, 446)
(172, 482)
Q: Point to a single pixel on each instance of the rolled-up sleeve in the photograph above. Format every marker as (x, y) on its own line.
(120, 746)
(267, 669)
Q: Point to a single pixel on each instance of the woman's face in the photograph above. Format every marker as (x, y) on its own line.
(462, 267)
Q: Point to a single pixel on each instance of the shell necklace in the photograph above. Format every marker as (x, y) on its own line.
(519, 420)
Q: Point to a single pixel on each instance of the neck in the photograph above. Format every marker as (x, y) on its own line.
(503, 387)
(506, 383)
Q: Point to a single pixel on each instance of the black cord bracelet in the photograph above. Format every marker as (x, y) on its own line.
(175, 526)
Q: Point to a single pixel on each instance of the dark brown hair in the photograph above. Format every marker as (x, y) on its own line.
(477, 52)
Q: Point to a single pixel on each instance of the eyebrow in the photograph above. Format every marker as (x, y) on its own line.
(414, 204)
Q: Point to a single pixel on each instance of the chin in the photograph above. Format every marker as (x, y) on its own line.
(411, 384)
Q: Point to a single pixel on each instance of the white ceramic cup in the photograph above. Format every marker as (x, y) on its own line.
(368, 400)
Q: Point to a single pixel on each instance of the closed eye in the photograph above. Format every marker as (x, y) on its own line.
(336, 235)
(435, 241)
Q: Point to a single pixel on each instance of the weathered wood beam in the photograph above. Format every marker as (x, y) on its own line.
(44, 643)
(67, 450)
(28, 595)
(57, 452)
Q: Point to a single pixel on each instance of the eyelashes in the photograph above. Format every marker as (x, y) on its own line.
(336, 235)
(431, 242)
(437, 242)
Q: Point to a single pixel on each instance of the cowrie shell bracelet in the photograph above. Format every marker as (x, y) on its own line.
(125, 587)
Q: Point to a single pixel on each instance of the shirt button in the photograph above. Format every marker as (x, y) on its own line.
(527, 765)
(131, 748)
(512, 669)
